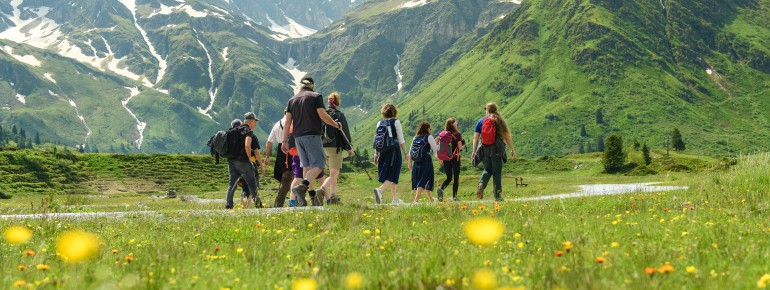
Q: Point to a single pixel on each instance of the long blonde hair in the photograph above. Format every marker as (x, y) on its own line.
(502, 127)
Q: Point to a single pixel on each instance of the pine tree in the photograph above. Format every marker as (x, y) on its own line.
(29, 144)
(646, 154)
(599, 116)
(600, 144)
(676, 140)
(614, 157)
(583, 132)
(636, 144)
(23, 133)
(14, 130)
(37, 138)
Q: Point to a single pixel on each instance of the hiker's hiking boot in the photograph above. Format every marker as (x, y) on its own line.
(440, 194)
(455, 199)
(397, 201)
(335, 199)
(377, 196)
(499, 195)
(300, 191)
(318, 199)
(480, 191)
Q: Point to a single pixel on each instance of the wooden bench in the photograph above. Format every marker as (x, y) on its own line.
(520, 181)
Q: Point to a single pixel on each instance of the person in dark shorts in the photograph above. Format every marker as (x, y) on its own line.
(305, 112)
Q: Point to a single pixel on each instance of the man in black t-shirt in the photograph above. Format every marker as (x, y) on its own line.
(305, 111)
(242, 166)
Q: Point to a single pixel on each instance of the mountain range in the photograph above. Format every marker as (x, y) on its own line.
(163, 75)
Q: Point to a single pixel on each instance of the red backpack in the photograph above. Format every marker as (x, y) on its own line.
(445, 149)
(488, 131)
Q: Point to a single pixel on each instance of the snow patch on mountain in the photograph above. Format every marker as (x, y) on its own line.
(511, 1)
(22, 98)
(40, 31)
(184, 8)
(140, 126)
(212, 90)
(224, 54)
(28, 59)
(162, 65)
(49, 76)
(414, 3)
(291, 30)
(291, 67)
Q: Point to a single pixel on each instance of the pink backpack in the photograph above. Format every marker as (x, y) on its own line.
(445, 149)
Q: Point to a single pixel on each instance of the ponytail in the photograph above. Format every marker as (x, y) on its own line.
(502, 128)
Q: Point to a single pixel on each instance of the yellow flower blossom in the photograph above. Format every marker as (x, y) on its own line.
(75, 246)
(17, 235)
(484, 279)
(763, 281)
(354, 280)
(304, 284)
(691, 269)
(484, 231)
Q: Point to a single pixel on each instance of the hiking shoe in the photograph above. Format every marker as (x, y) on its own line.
(377, 195)
(257, 202)
(440, 194)
(397, 201)
(499, 199)
(336, 199)
(455, 199)
(480, 191)
(320, 196)
(300, 191)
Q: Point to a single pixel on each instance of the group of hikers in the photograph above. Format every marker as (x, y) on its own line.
(312, 137)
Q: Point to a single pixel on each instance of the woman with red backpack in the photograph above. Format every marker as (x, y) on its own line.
(493, 131)
(450, 142)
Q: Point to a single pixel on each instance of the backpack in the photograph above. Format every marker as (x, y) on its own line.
(488, 131)
(445, 150)
(226, 144)
(385, 138)
(292, 143)
(420, 149)
(329, 133)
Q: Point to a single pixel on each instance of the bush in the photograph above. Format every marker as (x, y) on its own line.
(4, 195)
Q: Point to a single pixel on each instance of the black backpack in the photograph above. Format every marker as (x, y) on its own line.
(225, 143)
(328, 133)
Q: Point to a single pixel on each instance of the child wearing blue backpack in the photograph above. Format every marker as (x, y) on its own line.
(387, 142)
(421, 163)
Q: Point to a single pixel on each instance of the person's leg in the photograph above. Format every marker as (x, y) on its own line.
(488, 170)
(283, 189)
(393, 189)
(417, 195)
(249, 177)
(456, 172)
(497, 176)
(231, 184)
(448, 171)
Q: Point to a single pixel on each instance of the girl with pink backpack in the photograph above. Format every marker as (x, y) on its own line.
(450, 142)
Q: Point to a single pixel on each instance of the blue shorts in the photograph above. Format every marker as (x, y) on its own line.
(310, 151)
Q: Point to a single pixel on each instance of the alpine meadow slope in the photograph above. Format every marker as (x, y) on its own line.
(637, 69)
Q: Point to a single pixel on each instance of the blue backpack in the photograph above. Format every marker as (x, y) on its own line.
(385, 139)
(420, 149)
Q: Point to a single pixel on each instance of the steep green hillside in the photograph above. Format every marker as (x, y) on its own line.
(701, 66)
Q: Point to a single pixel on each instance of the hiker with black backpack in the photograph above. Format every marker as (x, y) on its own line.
(282, 167)
(304, 113)
(450, 143)
(494, 134)
(336, 141)
(242, 152)
(421, 163)
(389, 138)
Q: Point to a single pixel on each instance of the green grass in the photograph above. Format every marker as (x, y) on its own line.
(718, 228)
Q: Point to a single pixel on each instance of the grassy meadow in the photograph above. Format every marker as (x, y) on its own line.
(712, 236)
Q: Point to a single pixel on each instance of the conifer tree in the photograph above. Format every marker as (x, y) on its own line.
(37, 138)
(600, 144)
(676, 140)
(646, 154)
(614, 157)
